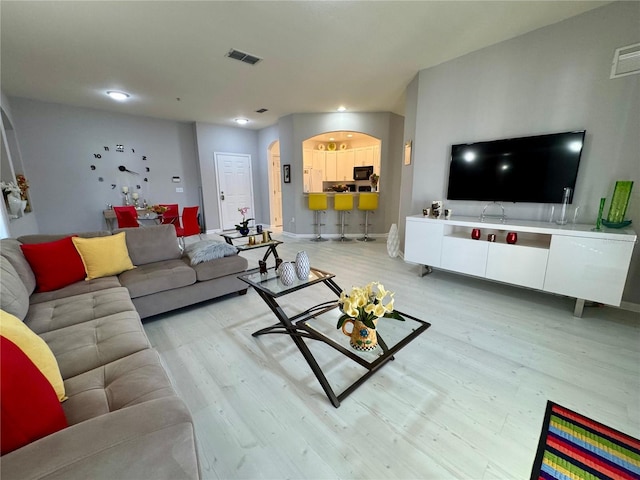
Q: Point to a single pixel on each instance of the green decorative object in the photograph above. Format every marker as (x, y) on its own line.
(620, 201)
(599, 219)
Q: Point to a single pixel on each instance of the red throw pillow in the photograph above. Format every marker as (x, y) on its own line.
(55, 264)
(29, 406)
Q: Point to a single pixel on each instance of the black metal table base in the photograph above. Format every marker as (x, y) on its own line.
(299, 327)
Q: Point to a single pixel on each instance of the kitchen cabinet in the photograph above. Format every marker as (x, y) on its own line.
(307, 157)
(344, 165)
(330, 172)
(318, 161)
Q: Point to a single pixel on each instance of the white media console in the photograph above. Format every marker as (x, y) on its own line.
(571, 260)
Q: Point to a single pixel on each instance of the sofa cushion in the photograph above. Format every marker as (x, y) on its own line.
(55, 264)
(30, 407)
(157, 277)
(151, 440)
(64, 312)
(77, 288)
(10, 248)
(129, 381)
(220, 267)
(104, 256)
(33, 347)
(83, 347)
(40, 238)
(14, 297)
(206, 250)
(152, 244)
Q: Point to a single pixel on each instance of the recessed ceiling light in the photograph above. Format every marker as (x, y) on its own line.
(349, 135)
(331, 139)
(342, 108)
(241, 121)
(120, 96)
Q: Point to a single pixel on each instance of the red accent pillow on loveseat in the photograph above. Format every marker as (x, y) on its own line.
(29, 406)
(55, 264)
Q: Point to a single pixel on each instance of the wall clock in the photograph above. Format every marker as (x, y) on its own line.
(119, 165)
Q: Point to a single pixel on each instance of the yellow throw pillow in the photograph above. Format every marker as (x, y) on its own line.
(35, 348)
(104, 256)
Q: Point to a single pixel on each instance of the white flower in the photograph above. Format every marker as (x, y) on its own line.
(10, 188)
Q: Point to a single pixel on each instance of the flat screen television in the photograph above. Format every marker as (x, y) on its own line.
(527, 169)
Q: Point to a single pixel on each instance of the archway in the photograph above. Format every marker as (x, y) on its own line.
(329, 160)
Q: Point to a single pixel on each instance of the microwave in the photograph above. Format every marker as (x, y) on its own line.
(362, 173)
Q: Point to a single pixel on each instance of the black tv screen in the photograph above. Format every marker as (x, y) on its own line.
(527, 169)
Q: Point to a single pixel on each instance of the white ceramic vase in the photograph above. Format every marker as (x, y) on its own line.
(393, 241)
(287, 273)
(15, 205)
(303, 267)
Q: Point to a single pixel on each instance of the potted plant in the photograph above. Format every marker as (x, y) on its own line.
(243, 226)
(374, 178)
(362, 307)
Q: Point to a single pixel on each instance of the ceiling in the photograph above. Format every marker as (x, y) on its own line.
(170, 56)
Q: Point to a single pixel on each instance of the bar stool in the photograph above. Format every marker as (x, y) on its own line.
(318, 203)
(367, 201)
(343, 204)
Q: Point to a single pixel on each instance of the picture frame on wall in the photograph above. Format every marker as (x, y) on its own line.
(407, 152)
(286, 173)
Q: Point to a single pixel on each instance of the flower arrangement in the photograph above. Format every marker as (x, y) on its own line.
(366, 304)
(23, 185)
(159, 209)
(373, 178)
(244, 224)
(10, 188)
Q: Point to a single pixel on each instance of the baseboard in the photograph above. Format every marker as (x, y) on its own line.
(632, 307)
(332, 236)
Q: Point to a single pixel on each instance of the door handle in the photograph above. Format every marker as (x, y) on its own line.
(221, 195)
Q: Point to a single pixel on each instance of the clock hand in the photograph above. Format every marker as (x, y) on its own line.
(122, 168)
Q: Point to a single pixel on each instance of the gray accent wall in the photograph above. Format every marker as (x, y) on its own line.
(211, 138)
(551, 80)
(58, 143)
(294, 129)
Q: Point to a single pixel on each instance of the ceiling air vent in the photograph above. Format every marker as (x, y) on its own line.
(626, 61)
(243, 57)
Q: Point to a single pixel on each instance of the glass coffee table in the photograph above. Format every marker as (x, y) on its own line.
(319, 323)
(241, 242)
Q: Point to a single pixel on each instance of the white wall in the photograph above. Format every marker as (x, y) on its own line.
(58, 143)
(551, 80)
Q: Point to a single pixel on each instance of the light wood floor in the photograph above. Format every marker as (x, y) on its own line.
(465, 400)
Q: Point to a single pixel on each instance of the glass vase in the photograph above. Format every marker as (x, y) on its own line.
(620, 201)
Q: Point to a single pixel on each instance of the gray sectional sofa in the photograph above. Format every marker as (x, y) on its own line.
(125, 418)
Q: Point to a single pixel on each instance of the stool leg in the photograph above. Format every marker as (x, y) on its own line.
(318, 229)
(342, 238)
(366, 237)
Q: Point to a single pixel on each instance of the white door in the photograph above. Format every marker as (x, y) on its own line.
(235, 188)
(276, 192)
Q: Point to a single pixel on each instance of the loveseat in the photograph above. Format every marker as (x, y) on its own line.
(124, 417)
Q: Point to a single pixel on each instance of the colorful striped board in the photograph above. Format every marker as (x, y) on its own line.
(575, 447)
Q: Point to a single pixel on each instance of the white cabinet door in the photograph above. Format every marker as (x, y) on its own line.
(464, 255)
(360, 158)
(376, 159)
(307, 158)
(589, 268)
(318, 163)
(344, 165)
(331, 173)
(423, 242)
(517, 264)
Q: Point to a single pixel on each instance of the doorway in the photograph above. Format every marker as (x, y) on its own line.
(275, 186)
(235, 187)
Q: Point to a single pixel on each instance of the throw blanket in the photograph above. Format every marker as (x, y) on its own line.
(206, 250)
